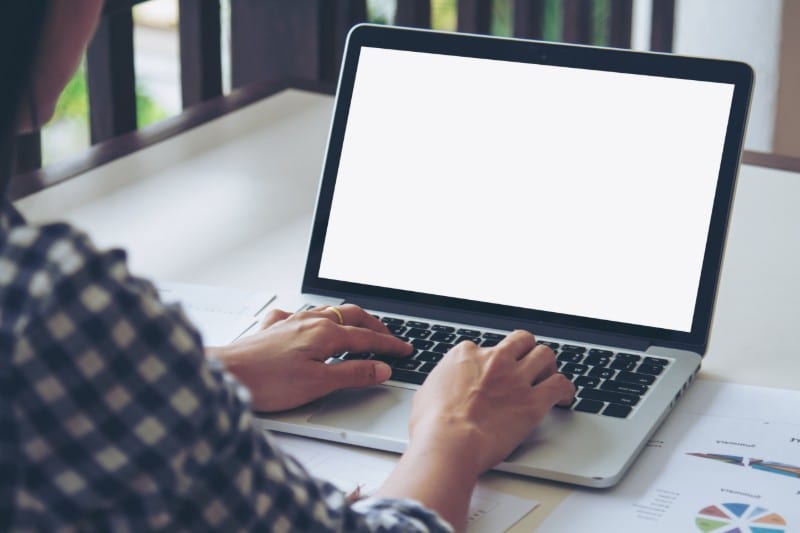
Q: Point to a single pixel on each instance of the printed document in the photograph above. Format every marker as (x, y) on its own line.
(727, 460)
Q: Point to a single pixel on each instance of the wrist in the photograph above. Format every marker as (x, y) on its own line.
(450, 441)
(437, 472)
(215, 352)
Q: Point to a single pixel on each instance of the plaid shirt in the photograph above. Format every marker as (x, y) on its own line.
(111, 418)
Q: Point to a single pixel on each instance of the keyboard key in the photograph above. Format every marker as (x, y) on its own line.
(656, 361)
(630, 377)
(443, 329)
(573, 348)
(487, 343)
(588, 382)
(427, 367)
(391, 320)
(420, 325)
(495, 336)
(627, 388)
(570, 357)
(442, 347)
(408, 376)
(605, 373)
(474, 338)
(589, 406)
(552, 345)
(597, 360)
(441, 336)
(421, 344)
(608, 396)
(469, 332)
(629, 356)
(418, 333)
(406, 364)
(654, 370)
(597, 351)
(388, 359)
(396, 329)
(623, 364)
(572, 368)
(618, 411)
(431, 357)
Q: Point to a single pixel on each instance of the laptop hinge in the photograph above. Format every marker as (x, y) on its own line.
(542, 329)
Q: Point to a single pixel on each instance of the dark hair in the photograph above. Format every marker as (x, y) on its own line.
(21, 24)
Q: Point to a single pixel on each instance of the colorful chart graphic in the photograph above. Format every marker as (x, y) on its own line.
(739, 518)
(729, 459)
(770, 467)
(775, 468)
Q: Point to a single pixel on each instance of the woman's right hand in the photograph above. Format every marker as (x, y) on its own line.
(484, 401)
(473, 410)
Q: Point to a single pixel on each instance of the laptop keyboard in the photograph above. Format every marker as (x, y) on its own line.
(607, 382)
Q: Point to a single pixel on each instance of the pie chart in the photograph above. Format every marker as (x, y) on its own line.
(739, 518)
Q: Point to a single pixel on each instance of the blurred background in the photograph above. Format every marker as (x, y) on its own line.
(764, 33)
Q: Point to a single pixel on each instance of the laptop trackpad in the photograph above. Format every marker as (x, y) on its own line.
(382, 410)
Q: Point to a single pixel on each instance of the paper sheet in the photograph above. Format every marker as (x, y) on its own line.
(349, 468)
(215, 299)
(221, 314)
(727, 460)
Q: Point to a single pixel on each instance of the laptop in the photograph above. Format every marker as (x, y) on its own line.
(475, 185)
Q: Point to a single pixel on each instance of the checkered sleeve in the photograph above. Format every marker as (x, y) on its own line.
(122, 424)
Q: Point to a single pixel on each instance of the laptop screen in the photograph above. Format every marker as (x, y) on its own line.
(529, 184)
(567, 190)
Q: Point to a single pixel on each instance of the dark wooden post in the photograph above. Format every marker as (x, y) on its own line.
(474, 16)
(620, 23)
(277, 40)
(201, 60)
(111, 77)
(336, 19)
(663, 25)
(529, 19)
(577, 21)
(414, 13)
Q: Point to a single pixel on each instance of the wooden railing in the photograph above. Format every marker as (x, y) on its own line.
(274, 41)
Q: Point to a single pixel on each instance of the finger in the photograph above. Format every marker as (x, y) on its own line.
(556, 389)
(357, 374)
(517, 344)
(538, 364)
(352, 315)
(360, 340)
(276, 315)
(356, 316)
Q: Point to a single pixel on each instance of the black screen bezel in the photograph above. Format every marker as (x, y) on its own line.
(612, 60)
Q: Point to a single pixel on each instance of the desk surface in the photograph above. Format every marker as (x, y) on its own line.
(236, 196)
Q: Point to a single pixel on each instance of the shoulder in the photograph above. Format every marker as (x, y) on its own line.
(57, 282)
(55, 262)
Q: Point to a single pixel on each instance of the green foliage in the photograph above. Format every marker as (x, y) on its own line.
(444, 14)
(147, 110)
(502, 13)
(74, 103)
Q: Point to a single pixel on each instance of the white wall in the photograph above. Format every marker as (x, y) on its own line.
(744, 30)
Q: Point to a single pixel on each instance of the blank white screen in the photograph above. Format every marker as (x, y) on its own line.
(574, 191)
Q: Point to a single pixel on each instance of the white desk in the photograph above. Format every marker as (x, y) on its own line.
(229, 203)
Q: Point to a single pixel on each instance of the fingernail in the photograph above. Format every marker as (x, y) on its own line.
(382, 372)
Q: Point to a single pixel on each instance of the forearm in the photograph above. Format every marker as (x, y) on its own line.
(439, 478)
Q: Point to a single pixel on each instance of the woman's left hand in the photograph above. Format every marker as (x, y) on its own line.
(283, 364)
